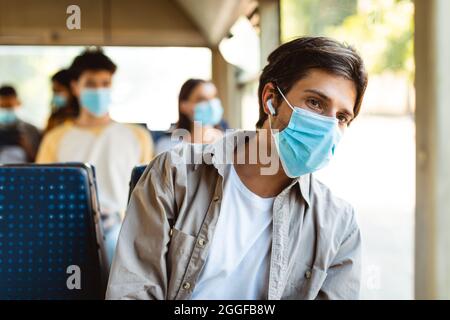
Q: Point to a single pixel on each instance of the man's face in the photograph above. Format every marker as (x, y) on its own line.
(93, 79)
(9, 102)
(320, 92)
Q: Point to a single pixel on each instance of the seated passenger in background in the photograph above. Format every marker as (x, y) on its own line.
(199, 111)
(93, 137)
(64, 103)
(245, 218)
(19, 140)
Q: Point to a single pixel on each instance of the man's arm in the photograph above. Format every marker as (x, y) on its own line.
(343, 279)
(139, 268)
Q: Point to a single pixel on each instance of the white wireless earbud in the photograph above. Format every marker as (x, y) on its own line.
(271, 108)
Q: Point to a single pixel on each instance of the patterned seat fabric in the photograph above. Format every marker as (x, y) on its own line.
(50, 244)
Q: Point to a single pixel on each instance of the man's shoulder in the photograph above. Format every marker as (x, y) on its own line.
(59, 131)
(138, 131)
(321, 190)
(27, 127)
(182, 154)
(330, 207)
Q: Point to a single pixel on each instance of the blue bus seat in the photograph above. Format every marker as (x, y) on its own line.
(158, 134)
(51, 241)
(135, 176)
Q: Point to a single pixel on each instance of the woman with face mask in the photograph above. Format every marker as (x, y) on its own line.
(199, 115)
(64, 104)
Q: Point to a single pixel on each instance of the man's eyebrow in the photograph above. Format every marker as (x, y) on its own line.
(319, 93)
(325, 97)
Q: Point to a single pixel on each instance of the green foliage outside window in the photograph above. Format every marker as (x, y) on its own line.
(382, 30)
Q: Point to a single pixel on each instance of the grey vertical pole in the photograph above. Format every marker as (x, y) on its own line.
(270, 24)
(432, 236)
(224, 77)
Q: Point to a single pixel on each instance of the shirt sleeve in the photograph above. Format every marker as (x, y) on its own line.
(31, 137)
(47, 150)
(343, 279)
(139, 268)
(146, 144)
(147, 148)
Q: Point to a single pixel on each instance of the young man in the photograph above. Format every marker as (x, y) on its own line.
(113, 148)
(19, 140)
(229, 227)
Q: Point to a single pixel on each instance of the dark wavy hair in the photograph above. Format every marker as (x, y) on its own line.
(64, 77)
(184, 122)
(8, 91)
(293, 60)
(91, 59)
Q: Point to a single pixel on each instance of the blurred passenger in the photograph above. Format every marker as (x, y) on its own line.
(19, 140)
(64, 103)
(223, 125)
(93, 137)
(199, 111)
(235, 226)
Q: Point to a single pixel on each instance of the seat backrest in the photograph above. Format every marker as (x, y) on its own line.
(51, 242)
(158, 134)
(135, 176)
(12, 154)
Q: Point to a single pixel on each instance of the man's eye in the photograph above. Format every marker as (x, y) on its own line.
(314, 104)
(343, 119)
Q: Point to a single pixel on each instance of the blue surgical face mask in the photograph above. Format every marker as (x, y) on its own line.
(308, 143)
(96, 101)
(59, 101)
(7, 116)
(208, 112)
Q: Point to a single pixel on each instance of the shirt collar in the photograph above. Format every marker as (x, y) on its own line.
(221, 154)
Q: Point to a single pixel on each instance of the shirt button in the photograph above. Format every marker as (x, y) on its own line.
(308, 274)
(171, 232)
(201, 243)
(186, 285)
(216, 198)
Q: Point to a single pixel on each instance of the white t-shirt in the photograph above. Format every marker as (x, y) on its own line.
(238, 262)
(114, 150)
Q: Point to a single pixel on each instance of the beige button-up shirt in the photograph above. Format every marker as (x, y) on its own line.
(173, 211)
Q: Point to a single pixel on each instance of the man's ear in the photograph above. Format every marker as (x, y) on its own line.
(269, 99)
